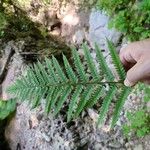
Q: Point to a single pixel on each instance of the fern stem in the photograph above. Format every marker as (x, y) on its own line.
(63, 84)
(96, 83)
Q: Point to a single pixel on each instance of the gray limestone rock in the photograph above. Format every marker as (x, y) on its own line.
(98, 30)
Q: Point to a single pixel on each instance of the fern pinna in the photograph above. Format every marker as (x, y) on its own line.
(49, 81)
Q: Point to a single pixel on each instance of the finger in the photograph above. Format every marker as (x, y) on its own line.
(133, 51)
(126, 56)
(135, 74)
(129, 66)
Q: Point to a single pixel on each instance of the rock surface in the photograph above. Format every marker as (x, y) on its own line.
(5, 60)
(13, 69)
(98, 30)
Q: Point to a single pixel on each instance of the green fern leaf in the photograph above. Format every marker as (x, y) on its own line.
(44, 74)
(84, 99)
(51, 71)
(48, 100)
(106, 103)
(39, 75)
(118, 65)
(73, 101)
(40, 96)
(31, 78)
(56, 94)
(69, 71)
(90, 63)
(59, 71)
(120, 102)
(64, 96)
(103, 65)
(95, 96)
(78, 65)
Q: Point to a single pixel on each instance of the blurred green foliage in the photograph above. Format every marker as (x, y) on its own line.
(3, 23)
(47, 1)
(146, 91)
(131, 17)
(138, 124)
(6, 108)
(139, 121)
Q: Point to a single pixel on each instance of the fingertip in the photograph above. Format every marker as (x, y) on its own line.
(122, 54)
(123, 60)
(122, 49)
(128, 83)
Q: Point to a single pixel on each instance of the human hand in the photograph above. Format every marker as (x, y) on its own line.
(136, 60)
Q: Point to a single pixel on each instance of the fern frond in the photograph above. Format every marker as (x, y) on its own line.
(90, 63)
(69, 70)
(105, 105)
(36, 99)
(95, 96)
(73, 102)
(48, 100)
(103, 65)
(59, 71)
(78, 65)
(120, 102)
(116, 60)
(44, 74)
(51, 71)
(31, 77)
(64, 96)
(84, 99)
(55, 96)
(39, 74)
(50, 81)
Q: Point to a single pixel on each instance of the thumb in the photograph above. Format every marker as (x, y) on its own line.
(135, 74)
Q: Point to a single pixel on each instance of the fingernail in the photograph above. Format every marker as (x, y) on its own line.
(128, 83)
(123, 46)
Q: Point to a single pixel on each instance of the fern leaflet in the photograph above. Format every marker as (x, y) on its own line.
(105, 105)
(120, 102)
(90, 63)
(118, 65)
